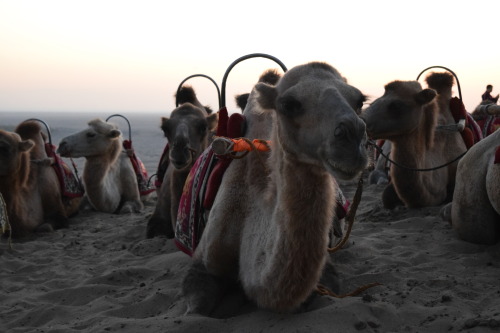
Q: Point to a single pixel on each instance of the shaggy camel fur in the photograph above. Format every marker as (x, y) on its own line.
(475, 210)
(269, 226)
(188, 131)
(407, 115)
(28, 182)
(108, 175)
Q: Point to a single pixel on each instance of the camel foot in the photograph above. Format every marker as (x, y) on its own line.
(130, 207)
(203, 291)
(45, 227)
(390, 198)
(378, 177)
(445, 213)
(159, 227)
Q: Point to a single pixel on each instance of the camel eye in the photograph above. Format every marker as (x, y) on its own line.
(396, 107)
(289, 106)
(360, 103)
(340, 131)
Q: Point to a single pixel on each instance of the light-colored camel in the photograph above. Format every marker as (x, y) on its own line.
(269, 226)
(408, 116)
(108, 175)
(475, 210)
(29, 184)
(380, 173)
(188, 131)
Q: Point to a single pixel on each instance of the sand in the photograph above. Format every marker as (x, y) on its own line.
(102, 275)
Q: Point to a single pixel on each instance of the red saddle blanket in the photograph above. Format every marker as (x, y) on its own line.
(71, 187)
(139, 169)
(203, 182)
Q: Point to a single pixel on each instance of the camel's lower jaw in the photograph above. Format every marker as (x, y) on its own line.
(182, 166)
(341, 173)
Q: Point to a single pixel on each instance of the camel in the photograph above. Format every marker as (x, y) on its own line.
(188, 131)
(475, 210)
(28, 183)
(408, 116)
(108, 176)
(380, 175)
(268, 228)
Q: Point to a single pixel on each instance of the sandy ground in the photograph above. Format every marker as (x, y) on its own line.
(102, 275)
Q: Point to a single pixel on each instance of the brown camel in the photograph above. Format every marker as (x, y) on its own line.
(108, 176)
(269, 226)
(29, 184)
(188, 131)
(475, 210)
(409, 117)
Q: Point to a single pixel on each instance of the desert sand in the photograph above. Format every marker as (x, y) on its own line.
(102, 275)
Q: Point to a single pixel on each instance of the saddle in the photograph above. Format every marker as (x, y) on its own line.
(471, 133)
(71, 187)
(203, 182)
(140, 170)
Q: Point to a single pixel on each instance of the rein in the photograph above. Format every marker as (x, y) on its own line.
(371, 142)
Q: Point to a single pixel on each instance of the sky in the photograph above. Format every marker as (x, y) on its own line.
(130, 56)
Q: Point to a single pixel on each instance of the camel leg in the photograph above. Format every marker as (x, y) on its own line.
(204, 291)
(390, 198)
(158, 226)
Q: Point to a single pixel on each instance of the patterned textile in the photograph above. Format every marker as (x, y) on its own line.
(342, 204)
(139, 168)
(71, 186)
(4, 218)
(191, 220)
(162, 167)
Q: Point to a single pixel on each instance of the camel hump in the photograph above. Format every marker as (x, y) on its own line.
(440, 81)
(186, 95)
(28, 129)
(271, 76)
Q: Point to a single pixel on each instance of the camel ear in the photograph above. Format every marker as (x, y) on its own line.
(25, 145)
(212, 121)
(267, 95)
(114, 133)
(164, 126)
(425, 96)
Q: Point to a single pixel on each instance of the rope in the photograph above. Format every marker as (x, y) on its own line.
(350, 216)
(371, 142)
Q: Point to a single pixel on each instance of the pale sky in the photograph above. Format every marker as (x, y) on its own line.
(126, 56)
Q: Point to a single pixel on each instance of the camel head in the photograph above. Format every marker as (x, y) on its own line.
(403, 108)
(187, 130)
(316, 118)
(100, 138)
(31, 129)
(14, 154)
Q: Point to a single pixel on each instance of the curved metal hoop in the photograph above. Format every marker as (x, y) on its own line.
(199, 75)
(128, 123)
(449, 70)
(47, 128)
(248, 56)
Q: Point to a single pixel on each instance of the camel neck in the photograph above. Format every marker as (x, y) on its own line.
(301, 217)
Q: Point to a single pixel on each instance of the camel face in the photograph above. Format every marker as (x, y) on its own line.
(94, 141)
(317, 120)
(12, 149)
(398, 111)
(186, 131)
